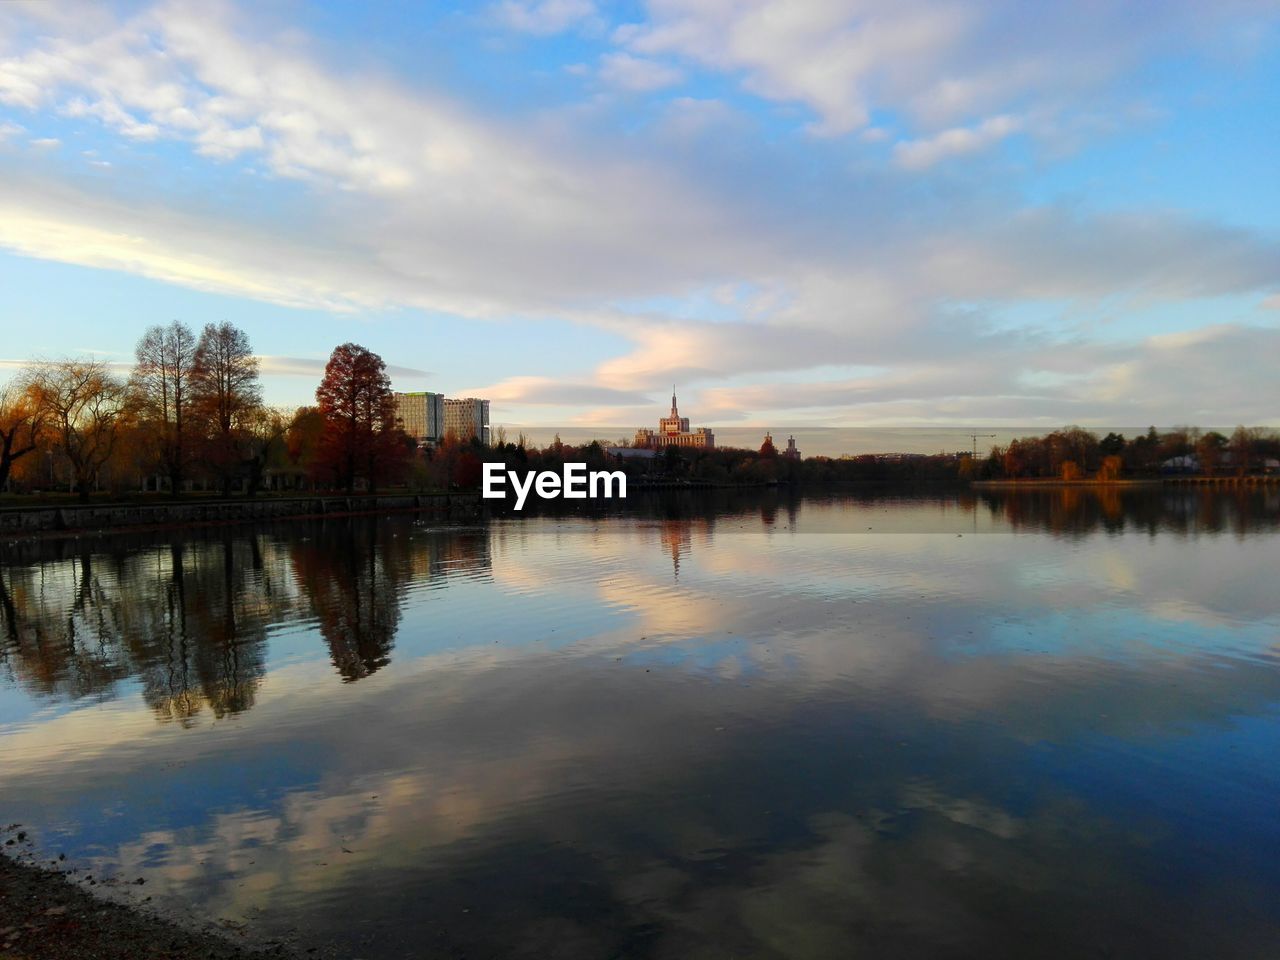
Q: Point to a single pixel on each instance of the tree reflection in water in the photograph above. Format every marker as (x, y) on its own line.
(354, 581)
(187, 619)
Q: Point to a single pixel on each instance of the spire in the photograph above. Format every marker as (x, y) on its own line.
(674, 411)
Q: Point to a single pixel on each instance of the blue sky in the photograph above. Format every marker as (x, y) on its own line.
(814, 213)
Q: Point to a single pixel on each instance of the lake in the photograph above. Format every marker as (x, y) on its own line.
(743, 724)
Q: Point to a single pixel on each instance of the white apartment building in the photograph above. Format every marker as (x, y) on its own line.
(466, 418)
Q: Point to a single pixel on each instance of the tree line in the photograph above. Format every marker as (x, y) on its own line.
(1074, 453)
(191, 412)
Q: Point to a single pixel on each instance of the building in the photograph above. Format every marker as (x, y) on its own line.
(466, 418)
(791, 453)
(673, 431)
(421, 416)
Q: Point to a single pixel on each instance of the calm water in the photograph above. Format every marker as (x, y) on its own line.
(1028, 724)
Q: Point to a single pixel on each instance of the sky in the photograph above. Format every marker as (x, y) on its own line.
(812, 214)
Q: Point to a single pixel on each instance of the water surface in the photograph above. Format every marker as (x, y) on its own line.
(754, 725)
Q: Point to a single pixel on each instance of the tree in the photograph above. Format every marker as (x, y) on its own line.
(262, 441)
(1112, 444)
(228, 396)
(672, 461)
(1209, 450)
(767, 449)
(303, 439)
(1244, 443)
(21, 419)
(1111, 467)
(361, 438)
(86, 407)
(161, 383)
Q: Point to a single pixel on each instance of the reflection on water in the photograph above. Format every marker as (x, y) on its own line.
(703, 726)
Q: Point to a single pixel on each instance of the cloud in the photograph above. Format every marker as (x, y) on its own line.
(934, 61)
(444, 195)
(314, 369)
(1162, 379)
(367, 194)
(822, 54)
(544, 17)
(549, 392)
(1054, 252)
(637, 73)
(957, 141)
(85, 230)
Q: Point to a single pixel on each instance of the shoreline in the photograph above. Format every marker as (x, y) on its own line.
(44, 915)
(37, 522)
(21, 523)
(1041, 483)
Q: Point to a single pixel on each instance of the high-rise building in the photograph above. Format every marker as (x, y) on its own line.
(421, 416)
(673, 431)
(791, 452)
(466, 418)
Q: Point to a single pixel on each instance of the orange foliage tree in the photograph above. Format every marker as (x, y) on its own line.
(21, 417)
(361, 439)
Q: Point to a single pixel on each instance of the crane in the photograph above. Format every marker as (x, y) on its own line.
(975, 437)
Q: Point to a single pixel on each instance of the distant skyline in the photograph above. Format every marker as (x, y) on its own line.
(810, 215)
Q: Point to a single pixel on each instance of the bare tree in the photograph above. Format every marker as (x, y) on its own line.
(21, 418)
(228, 395)
(163, 382)
(85, 408)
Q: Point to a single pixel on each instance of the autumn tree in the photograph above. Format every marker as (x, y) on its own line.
(1209, 450)
(303, 438)
(262, 441)
(1111, 467)
(1243, 445)
(86, 408)
(21, 418)
(767, 450)
(162, 386)
(361, 438)
(228, 397)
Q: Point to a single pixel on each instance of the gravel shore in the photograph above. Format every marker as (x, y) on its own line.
(45, 915)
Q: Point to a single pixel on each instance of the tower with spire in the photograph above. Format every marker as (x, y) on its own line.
(674, 424)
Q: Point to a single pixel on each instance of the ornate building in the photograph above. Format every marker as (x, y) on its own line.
(673, 431)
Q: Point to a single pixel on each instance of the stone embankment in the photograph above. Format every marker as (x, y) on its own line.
(23, 521)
